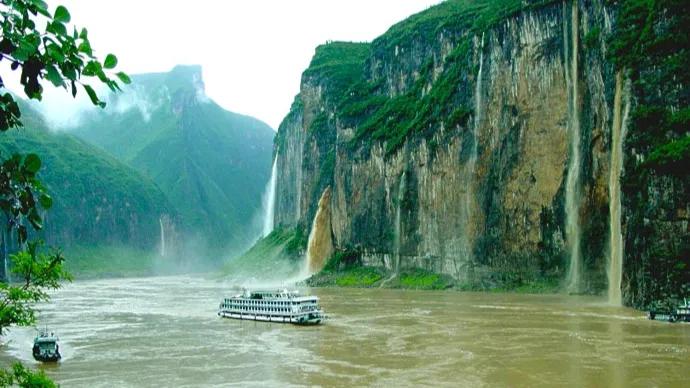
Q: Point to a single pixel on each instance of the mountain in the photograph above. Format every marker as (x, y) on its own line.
(98, 202)
(211, 164)
(513, 144)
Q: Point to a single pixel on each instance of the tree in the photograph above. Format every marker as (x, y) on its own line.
(20, 375)
(66, 60)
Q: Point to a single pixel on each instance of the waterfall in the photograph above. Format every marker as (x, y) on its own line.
(269, 200)
(5, 256)
(320, 245)
(162, 247)
(397, 230)
(618, 130)
(478, 99)
(572, 200)
(470, 167)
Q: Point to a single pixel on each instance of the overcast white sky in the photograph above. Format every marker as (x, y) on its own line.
(252, 52)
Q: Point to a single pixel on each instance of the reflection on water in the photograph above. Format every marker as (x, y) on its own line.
(165, 332)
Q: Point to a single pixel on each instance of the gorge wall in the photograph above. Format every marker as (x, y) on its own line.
(476, 141)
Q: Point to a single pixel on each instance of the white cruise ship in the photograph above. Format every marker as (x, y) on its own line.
(273, 306)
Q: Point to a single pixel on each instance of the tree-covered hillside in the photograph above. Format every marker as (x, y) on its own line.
(97, 200)
(212, 164)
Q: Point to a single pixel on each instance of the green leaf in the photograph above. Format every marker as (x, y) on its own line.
(69, 72)
(113, 85)
(61, 14)
(57, 28)
(93, 68)
(110, 61)
(124, 78)
(55, 52)
(85, 47)
(46, 201)
(41, 7)
(92, 94)
(53, 76)
(32, 163)
(84, 34)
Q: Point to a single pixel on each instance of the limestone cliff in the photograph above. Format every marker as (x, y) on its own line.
(467, 139)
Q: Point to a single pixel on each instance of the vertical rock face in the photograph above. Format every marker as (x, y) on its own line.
(290, 149)
(479, 121)
(320, 245)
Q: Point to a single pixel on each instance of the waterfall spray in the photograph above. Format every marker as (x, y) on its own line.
(269, 201)
(162, 247)
(397, 230)
(618, 130)
(320, 245)
(572, 200)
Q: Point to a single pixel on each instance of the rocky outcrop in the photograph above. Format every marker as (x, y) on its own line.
(451, 150)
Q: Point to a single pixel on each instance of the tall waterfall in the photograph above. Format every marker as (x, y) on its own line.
(162, 246)
(620, 118)
(572, 188)
(6, 266)
(397, 230)
(269, 201)
(478, 99)
(320, 245)
(470, 167)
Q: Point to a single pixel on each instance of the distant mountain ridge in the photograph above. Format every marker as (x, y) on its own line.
(212, 164)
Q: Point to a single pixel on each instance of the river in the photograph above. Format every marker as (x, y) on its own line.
(163, 331)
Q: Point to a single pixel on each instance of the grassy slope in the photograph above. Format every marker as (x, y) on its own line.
(278, 256)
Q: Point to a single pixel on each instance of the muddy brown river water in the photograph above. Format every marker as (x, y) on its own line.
(163, 331)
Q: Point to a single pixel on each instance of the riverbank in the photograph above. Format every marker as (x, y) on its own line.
(420, 279)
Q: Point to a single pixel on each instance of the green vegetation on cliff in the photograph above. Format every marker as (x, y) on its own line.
(433, 100)
(278, 255)
(344, 269)
(340, 63)
(452, 17)
(651, 43)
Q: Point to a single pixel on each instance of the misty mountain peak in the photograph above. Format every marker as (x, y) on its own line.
(182, 78)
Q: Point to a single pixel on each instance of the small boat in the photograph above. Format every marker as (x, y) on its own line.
(46, 348)
(281, 306)
(681, 313)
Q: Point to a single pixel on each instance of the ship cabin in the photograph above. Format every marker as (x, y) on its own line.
(273, 305)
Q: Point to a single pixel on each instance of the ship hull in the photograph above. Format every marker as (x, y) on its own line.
(668, 317)
(296, 320)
